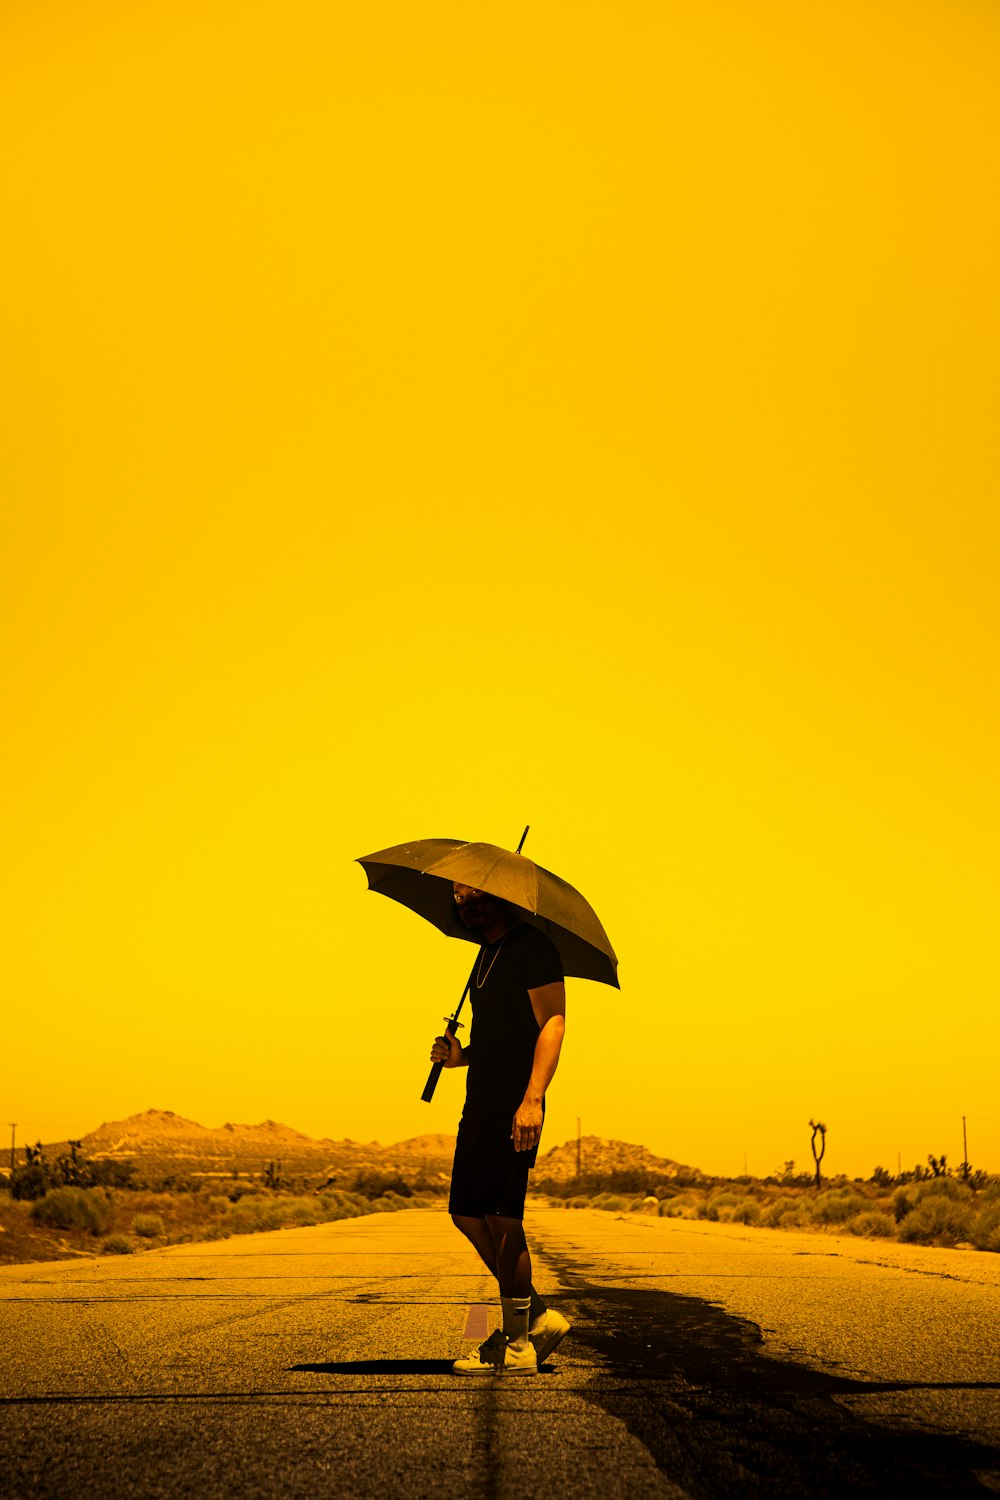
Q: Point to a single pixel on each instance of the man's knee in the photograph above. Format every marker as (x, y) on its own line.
(501, 1227)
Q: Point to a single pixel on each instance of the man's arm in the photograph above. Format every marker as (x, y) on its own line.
(549, 1005)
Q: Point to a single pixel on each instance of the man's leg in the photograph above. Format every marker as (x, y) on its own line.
(481, 1236)
(513, 1259)
(514, 1275)
(547, 1329)
(478, 1233)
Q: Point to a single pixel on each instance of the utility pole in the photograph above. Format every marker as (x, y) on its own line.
(965, 1148)
(578, 1145)
(745, 1164)
(899, 1163)
(13, 1157)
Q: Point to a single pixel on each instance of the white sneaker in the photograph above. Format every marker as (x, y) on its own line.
(496, 1356)
(547, 1332)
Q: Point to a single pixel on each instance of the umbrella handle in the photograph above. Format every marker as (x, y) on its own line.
(453, 1023)
(435, 1072)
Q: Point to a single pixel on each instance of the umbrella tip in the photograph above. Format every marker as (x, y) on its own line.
(524, 835)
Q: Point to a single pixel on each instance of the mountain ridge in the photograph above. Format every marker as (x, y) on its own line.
(160, 1143)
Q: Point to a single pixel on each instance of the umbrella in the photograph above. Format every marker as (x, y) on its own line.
(420, 875)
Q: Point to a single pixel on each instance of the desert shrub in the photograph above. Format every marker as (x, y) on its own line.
(872, 1224)
(74, 1208)
(279, 1211)
(747, 1211)
(991, 1192)
(672, 1208)
(147, 1226)
(252, 1214)
(902, 1204)
(938, 1220)
(116, 1244)
(578, 1202)
(339, 1205)
(306, 1212)
(112, 1174)
(942, 1187)
(218, 1203)
(29, 1182)
(985, 1232)
(213, 1232)
(246, 1190)
(375, 1184)
(712, 1207)
(788, 1213)
(611, 1202)
(836, 1205)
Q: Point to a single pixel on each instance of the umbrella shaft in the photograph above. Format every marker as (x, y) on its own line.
(449, 1030)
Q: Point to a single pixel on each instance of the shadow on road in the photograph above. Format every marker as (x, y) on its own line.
(723, 1419)
(379, 1367)
(392, 1367)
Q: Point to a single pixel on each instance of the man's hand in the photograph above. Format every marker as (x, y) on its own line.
(447, 1050)
(527, 1126)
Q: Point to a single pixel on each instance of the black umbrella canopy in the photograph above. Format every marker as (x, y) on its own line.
(420, 875)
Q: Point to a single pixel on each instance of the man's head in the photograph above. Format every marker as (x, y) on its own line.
(482, 913)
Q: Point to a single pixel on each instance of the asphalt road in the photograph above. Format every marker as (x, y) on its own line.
(705, 1360)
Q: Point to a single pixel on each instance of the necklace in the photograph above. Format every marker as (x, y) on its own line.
(481, 978)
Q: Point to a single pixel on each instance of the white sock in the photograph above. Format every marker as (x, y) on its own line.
(515, 1320)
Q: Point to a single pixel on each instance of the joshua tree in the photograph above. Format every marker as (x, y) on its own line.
(818, 1130)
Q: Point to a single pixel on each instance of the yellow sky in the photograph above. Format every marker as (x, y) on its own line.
(423, 421)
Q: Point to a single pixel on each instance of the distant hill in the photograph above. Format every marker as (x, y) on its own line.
(600, 1157)
(162, 1145)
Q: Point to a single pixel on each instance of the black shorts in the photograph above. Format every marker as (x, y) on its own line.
(488, 1176)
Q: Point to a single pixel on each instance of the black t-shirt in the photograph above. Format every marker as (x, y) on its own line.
(504, 1030)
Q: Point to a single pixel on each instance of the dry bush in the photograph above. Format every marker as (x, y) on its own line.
(389, 1203)
(712, 1207)
(75, 1208)
(985, 1232)
(837, 1205)
(942, 1187)
(116, 1244)
(938, 1220)
(873, 1224)
(788, 1213)
(148, 1226)
(685, 1206)
(902, 1204)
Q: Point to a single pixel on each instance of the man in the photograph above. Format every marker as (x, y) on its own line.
(518, 1022)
